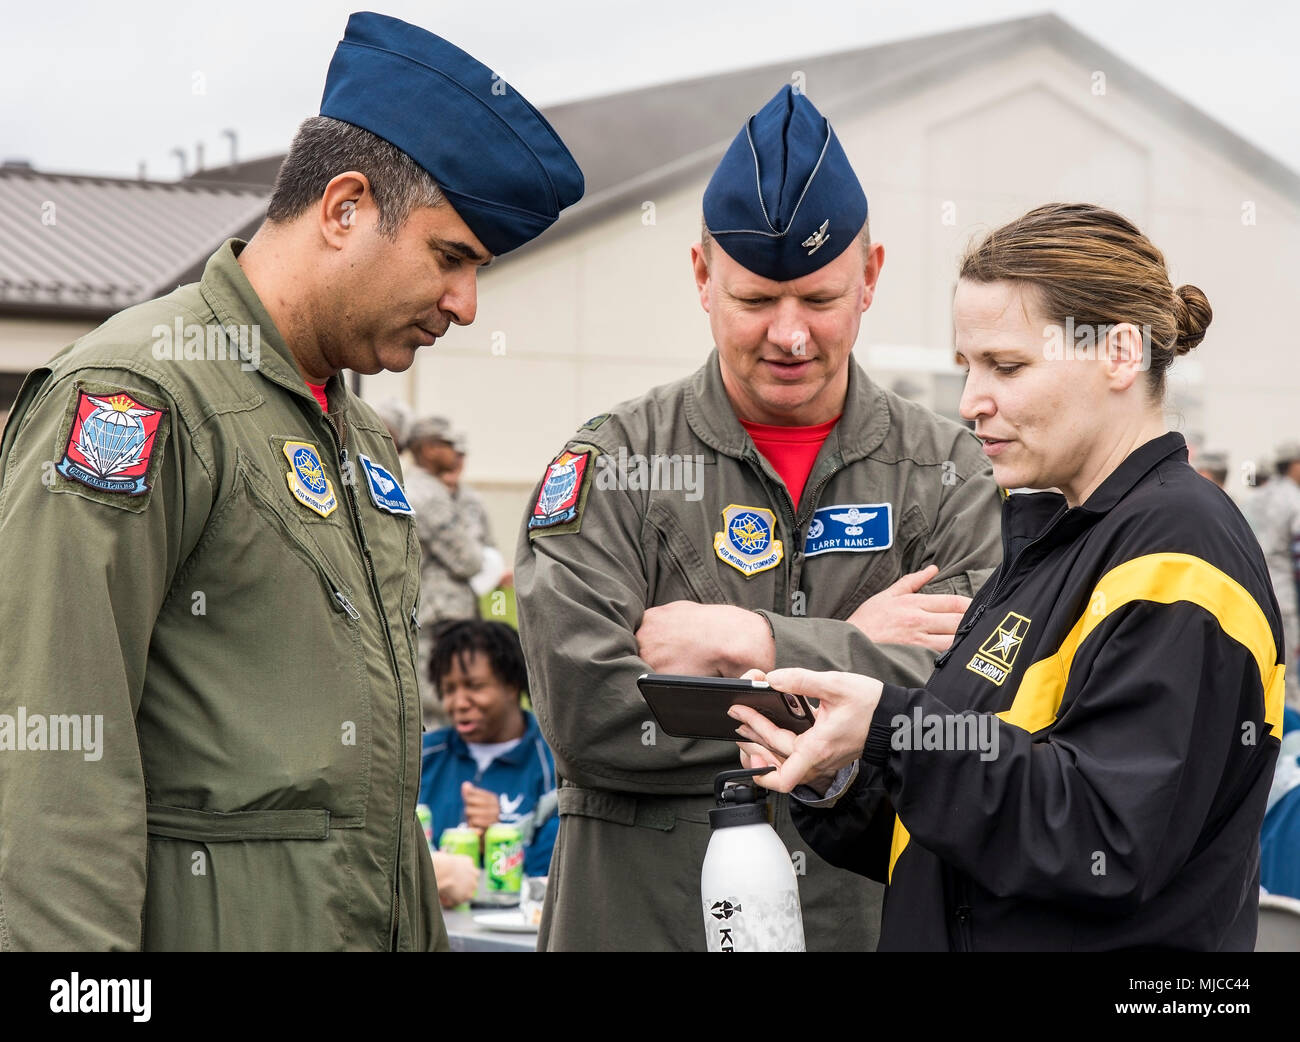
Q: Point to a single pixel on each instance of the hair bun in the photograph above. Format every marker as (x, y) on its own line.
(1192, 314)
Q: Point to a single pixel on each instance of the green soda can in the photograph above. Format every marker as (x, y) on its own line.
(461, 840)
(503, 858)
(425, 815)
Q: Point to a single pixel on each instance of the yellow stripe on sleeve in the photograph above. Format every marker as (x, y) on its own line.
(1162, 579)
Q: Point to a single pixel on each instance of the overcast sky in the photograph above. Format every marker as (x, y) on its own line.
(99, 87)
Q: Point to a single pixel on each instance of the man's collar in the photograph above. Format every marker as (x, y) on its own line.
(862, 427)
(235, 303)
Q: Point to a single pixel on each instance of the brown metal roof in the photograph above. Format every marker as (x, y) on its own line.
(77, 245)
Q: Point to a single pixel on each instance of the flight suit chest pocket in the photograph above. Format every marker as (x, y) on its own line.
(684, 573)
(310, 649)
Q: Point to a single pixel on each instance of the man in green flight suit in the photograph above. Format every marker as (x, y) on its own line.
(775, 508)
(209, 720)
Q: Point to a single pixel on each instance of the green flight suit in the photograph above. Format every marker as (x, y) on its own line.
(634, 811)
(242, 625)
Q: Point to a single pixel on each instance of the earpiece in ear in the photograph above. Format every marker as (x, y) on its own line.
(349, 211)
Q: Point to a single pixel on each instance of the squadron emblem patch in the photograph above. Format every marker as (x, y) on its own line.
(110, 443)
(747, 541)
(558, 498)
(307, 480)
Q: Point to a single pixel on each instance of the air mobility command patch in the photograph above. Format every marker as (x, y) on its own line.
(747, 541)
(385, 492)
(563, 495)
(307, 480)
(111, 442)
(850, 528)
(997, 655)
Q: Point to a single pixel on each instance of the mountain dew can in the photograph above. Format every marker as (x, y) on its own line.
(460, 840)
(425, 815)
(503, 859)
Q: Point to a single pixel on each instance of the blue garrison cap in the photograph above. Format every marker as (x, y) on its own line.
(784, 201)
(495, 157)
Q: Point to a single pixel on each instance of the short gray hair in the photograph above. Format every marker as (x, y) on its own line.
(323, 148)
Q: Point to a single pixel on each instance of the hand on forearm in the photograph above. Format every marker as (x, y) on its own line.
(900, 614)
(704, 639)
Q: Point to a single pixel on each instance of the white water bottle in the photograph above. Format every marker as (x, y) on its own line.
(749, 889)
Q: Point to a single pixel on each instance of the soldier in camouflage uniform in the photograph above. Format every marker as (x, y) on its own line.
(1276, 516)
(450, 553)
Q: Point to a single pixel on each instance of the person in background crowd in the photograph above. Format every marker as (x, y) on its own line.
(1213, 466)
(447, 460)
(1277, 514)
(396, 417)
(491, 763)
(449, 552)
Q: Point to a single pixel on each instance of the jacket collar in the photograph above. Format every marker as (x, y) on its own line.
(234, 301)
(862, 427)
(1028, 515)
(1136, 465)
(514, 757)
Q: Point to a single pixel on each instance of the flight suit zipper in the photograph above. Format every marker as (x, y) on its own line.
(794, 570)
(346, 469)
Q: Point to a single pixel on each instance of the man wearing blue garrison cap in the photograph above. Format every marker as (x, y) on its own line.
(230, 542)
(790, 512)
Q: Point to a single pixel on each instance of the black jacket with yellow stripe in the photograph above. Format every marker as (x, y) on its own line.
(1087, 767)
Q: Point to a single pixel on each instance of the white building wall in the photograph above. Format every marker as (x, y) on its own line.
(569, 329)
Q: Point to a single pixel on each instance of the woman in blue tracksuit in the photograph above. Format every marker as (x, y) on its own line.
(491, 764)
(1088, 765)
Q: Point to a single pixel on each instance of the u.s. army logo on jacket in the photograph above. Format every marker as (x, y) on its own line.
(746, 541)
(997, 655)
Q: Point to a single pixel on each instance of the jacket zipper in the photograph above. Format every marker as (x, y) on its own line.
(1004, 576)
(346, 470)
(963, 927)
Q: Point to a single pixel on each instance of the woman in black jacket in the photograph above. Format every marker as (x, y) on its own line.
(1088, 765)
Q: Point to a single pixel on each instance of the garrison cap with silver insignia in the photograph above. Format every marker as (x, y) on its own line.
(784, 201)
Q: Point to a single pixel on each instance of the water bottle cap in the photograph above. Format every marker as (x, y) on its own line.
(740, 801)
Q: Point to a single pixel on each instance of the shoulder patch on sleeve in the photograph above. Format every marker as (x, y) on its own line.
(110, 445)
(562, 496)
(594, 422)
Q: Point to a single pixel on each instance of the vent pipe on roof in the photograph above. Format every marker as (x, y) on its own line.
(234, 141)
(198, 156)
(142, 173)
(179, 153)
